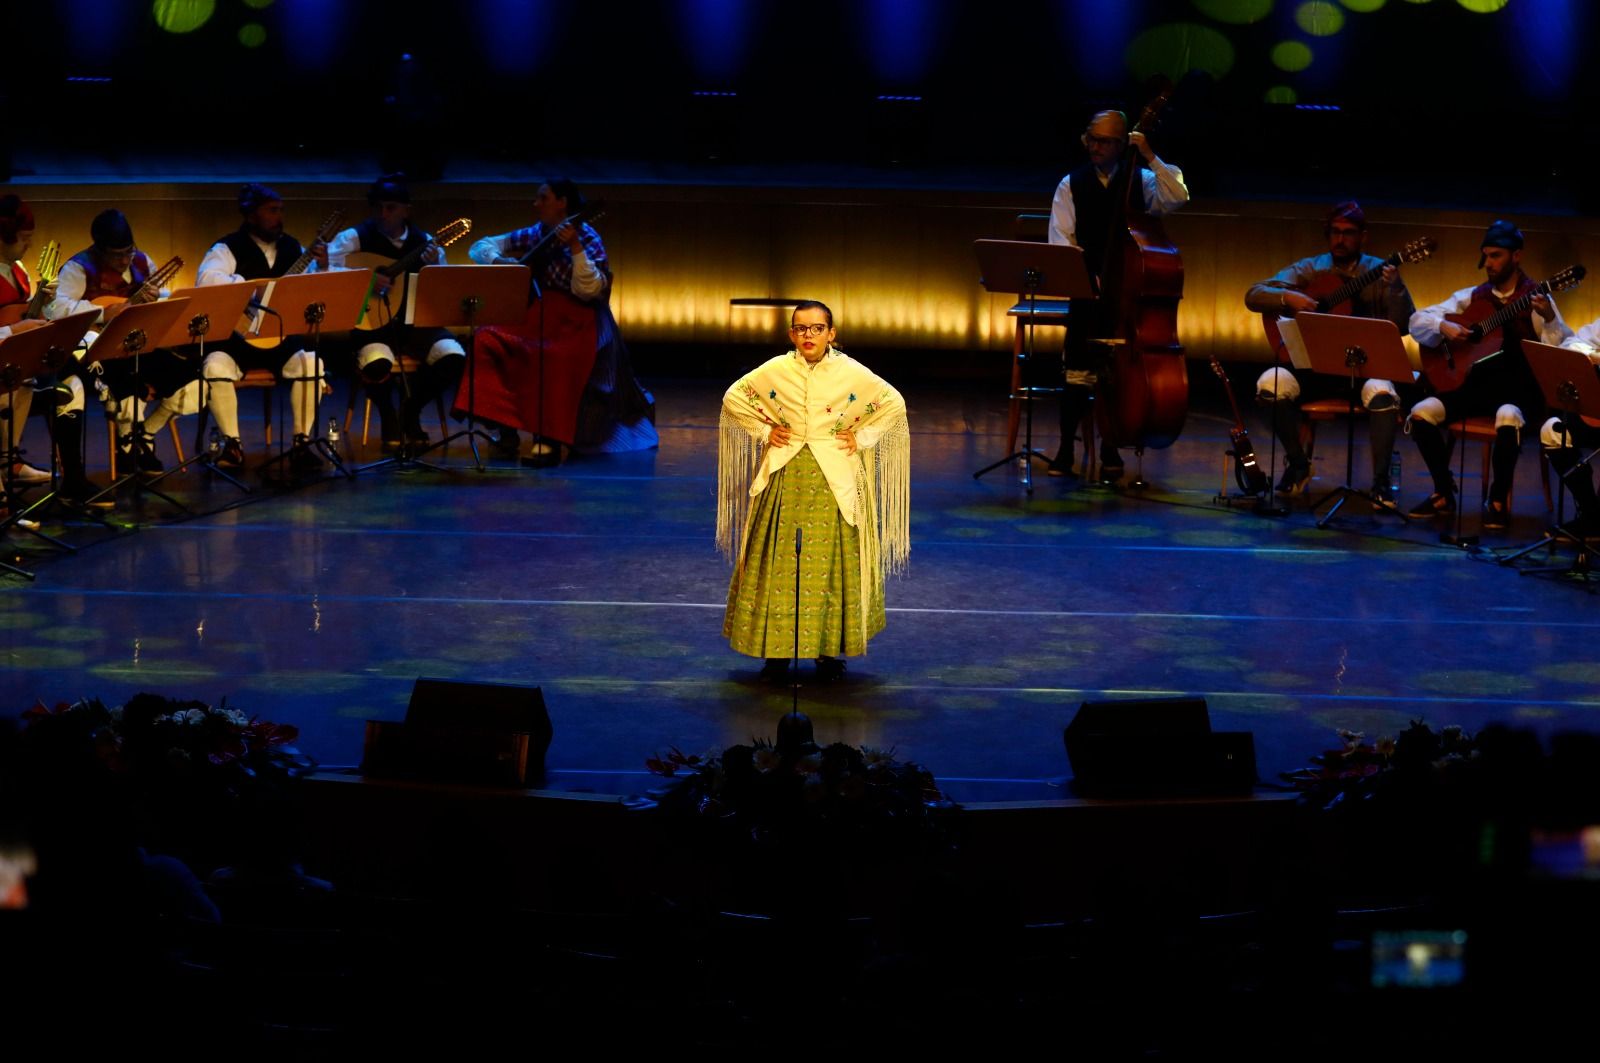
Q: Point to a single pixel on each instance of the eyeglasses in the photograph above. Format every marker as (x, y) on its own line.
(808, 330)
(1092, 141)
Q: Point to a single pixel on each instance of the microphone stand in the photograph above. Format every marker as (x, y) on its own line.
(794, 727)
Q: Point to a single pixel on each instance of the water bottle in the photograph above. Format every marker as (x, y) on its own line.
(333, 429)
(215, 441)
(1394, 473)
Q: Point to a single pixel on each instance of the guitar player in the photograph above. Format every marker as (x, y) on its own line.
(389, 234)
(259, 249)
(113, 267)
(1285, 294)
(1502, 385)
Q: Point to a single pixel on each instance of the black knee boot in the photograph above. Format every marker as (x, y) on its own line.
(1285, 416)
(1507, 445)
(381, 394)
(1435, 448)
(1381, 426)
(1579, 484)
(68, 433)
(427, 385)
(1074, 404)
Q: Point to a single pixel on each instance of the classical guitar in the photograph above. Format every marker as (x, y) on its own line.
(149, 291)
(1246, 470)
(394, 268)
(1447, 364)
(45, 272)
(250, 326)
(1334, 291)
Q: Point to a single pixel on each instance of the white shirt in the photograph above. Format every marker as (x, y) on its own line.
(348, 243)
(1164, 192)
(1425, 322)
(72, 282)
(587, 281)
(220, 267)
(1587, 340)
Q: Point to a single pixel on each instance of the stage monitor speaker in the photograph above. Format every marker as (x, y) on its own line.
(493, 734)
(1161, 747)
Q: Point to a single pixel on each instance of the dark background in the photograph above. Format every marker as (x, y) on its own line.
(1436, 104)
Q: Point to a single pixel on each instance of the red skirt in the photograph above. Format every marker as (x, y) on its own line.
(505, 382)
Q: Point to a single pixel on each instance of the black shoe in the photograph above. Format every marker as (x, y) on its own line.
(1111, 473)
(231, 456)
(1585, 528)
(1295, 480)
(1495, 516)
(77, 493)
(1435, 505)
(506, 444)
(142, 460)
(775, 671)
(303, 461)
(830, 669)
(393, 444)
(1061, 464)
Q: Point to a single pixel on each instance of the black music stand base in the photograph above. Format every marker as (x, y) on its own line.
(1346, 491)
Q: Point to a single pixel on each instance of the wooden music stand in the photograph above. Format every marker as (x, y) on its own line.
(24, 356)
(1571, 384)
(325, 302)
(1030, 269)
(470, 297)
(127, 336)
(213, 314)
(1353, 347)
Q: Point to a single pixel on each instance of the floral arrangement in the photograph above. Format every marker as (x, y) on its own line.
(1360, 770)
(162, 740)
(767, 794)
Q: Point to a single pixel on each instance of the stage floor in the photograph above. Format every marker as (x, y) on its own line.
(599, 582)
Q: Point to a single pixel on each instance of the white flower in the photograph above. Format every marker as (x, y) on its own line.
(193, 717)
(235, 717)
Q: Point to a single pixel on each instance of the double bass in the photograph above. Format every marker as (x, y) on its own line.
(1144, 393)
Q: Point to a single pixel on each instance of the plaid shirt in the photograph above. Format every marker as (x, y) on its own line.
(557, 272)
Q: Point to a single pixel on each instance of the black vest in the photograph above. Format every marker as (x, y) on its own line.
(374, 242)
(1093, 204)
(251, 264)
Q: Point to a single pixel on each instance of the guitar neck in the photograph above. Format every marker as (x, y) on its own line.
(1513, 309)
(1227, 387)
(1351, 287)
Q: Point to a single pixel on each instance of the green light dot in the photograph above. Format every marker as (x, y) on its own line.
(1291, 55)
(1363, 6)
(1178, 48)
(1237, 12)
(1319, 18)
(1282, 94)
(252, 34)
(1483, 7)
(182, 16)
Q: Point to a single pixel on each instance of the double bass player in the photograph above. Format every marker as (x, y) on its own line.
(1081, 215)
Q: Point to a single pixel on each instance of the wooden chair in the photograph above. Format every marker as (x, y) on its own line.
(1046, 313)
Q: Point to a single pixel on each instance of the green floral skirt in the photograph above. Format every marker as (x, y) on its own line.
(760, 620)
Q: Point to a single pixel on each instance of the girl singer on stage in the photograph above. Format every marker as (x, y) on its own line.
(812, 440)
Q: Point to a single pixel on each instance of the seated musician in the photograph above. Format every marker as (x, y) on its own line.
(1503, 385)
(581, 393)
(112, 266)
(389, 234)
(1566, 440)
(16, 233)
(258, 249)
(1080, 216)
(1283, 296)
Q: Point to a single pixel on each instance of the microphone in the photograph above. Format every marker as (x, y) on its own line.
(257, 304)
